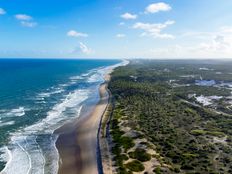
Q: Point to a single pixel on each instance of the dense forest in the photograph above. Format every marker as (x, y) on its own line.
(183, 111)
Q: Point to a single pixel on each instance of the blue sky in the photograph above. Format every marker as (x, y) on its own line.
(116, 29)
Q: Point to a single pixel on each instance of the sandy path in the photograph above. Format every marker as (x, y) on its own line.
(77, 143)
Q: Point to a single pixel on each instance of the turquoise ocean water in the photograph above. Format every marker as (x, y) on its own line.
(36, 98)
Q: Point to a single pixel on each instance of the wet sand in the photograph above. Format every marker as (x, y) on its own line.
(77, 143)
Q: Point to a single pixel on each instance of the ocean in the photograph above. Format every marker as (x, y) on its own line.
(37, 96)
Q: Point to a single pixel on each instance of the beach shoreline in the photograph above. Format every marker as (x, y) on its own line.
(78, 143)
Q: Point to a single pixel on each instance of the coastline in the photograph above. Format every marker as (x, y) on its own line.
(78, 143)
(57, 126)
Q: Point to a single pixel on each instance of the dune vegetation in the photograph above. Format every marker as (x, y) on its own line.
(156, 109)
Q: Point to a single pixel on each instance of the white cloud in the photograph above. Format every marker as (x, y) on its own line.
(120, 35)
(73, 33)
(211, 44)
(128, 16)
(28, 24)
(226, 29)
(217, 47)
(218, 44)
(157, 7)
(154, 30)
(204, 44)
(84, 49)
(2, 11)
(195, 34)
(121, 23)
(23, 17)
(26, 20)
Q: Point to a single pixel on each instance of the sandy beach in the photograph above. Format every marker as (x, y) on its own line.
(77, 143)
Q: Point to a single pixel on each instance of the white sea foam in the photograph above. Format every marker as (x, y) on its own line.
(63, 85)
(52, 156)
(86, 74)
(26, 153)
(98, 75)
(76, 78)
(8, 123)
(94, 78)
(5, 154)
(19, 159)
(44, 95)
(2, 110)
(17, 112)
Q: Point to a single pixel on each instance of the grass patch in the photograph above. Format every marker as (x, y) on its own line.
(216, 133)
(199, 132)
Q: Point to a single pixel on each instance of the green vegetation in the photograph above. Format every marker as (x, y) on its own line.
(126, 143)
(203, 132)
(191, 138)
(135, 166)
(122, 144)
(105, 120)
(140, 154)
(157, 170)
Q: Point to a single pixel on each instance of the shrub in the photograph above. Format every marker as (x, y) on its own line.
(189, 155)
(140, 154)
(157, 170)
(116, 133)
(126, 142)
(135, 166)
(187, 167)
(116, 150)
(177, 170)
(119, 159)
(122, 170)
(124, 157)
